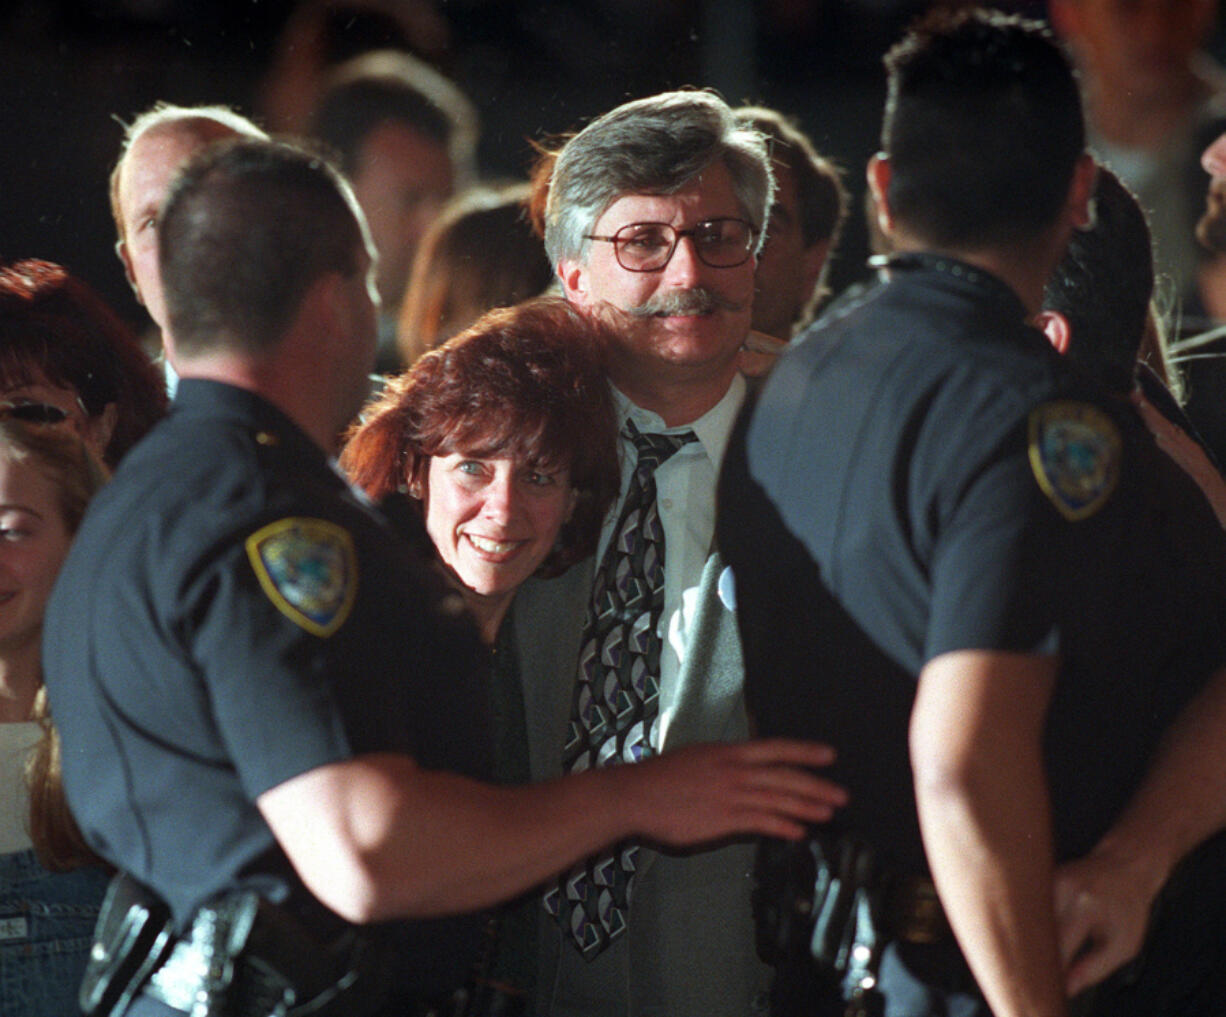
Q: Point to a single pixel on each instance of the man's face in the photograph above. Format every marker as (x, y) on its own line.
(148, 169)
(788, 272)
(704, 333)
(402, 180)
(1140, 45)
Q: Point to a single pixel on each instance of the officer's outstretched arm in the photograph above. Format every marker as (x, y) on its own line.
(976, 752)
(1103, 901)
(377, 837)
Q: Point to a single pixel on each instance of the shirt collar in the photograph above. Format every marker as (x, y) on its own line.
(712, 429)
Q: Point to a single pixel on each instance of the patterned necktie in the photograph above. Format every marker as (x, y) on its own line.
(615, 712)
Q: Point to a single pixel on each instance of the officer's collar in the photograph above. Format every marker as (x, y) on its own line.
(905, 261)
(269, 425)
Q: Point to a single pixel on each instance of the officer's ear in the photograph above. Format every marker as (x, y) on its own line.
(878, 175)
(1056, 327)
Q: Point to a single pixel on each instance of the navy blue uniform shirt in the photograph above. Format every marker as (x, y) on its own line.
(922, 474)
(232, 615)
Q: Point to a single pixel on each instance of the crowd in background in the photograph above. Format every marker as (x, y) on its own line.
(454, 131)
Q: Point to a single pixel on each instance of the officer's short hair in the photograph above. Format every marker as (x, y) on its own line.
(389, 86)
(983, 128)
(655, 145)
(246, 229)
(1104, 283)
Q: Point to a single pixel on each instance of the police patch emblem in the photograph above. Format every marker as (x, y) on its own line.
(309, 570)
(1075, 456)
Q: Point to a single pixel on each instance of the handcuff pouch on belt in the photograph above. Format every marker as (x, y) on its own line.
(821, 898)
(133, 935)
(242, 957)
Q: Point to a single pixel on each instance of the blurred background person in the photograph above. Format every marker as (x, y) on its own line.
(481, 253)
(66, 356)
(405, 136)
(50, 884)
(319, 35)
(806, 218)
(1154, 98)
(155, 145)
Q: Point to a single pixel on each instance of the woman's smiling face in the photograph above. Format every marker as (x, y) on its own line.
(494, 520)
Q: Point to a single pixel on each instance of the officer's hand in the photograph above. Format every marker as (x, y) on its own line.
(706, 792)
(1102, 905)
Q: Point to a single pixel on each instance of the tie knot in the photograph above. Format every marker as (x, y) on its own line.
(653, 449)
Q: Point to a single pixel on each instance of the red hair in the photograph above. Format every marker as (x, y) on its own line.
(525, 382)
(55, 328)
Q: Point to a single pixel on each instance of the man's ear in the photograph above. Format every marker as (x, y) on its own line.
(121, 250)
(1056, 327)
(878, 175)
(573, 277)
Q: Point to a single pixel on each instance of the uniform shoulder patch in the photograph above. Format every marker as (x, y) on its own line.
(1075, 456)
(309, 569)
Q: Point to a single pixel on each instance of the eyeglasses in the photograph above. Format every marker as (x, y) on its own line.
(649, 246)
(33, 413)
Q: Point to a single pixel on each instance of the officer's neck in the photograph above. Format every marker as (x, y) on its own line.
(1023, 266)
(279, 385)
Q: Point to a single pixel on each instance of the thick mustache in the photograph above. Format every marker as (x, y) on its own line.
(698, 300)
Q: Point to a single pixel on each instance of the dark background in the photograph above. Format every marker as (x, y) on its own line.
(71, 71)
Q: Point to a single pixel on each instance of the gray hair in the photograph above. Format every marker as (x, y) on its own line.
(656, 145)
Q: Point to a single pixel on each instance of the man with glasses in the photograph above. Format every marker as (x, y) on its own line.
(653, 216)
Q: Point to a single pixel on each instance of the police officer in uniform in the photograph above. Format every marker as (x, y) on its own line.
(269, 704)
(965, 566)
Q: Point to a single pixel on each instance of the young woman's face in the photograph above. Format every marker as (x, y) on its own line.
(494, 520)
(33, 544)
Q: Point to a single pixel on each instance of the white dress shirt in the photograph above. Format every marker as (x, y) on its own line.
(685, 492)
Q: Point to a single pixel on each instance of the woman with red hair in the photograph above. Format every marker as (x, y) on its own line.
(65, 356)
(505, 440)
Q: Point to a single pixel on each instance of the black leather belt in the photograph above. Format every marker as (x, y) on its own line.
(243, 958)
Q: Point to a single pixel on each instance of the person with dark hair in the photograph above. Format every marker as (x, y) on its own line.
(273, 710)
(806, 217)
(50, 884)
(1098, 303)
(1098, 310)
(480, 253)
(65, 355)
(1097, 306)
(405, 136)
(652, 216)
(970, 568)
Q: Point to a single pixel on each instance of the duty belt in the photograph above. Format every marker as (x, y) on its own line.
(245, 958)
